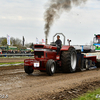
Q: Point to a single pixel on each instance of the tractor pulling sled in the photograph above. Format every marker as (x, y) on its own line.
(68, 60)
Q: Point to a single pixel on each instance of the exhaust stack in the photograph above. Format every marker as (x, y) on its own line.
(54, 10)
(46, 40)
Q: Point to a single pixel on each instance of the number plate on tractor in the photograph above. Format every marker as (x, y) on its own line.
(36, 64)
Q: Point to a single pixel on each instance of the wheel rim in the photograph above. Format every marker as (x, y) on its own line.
(86, 62)
(52, 68)
(73, 60)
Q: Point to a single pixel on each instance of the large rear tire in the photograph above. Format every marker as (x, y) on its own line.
(28, 69)
(69, 60)
(87, 64)
(80, 62)
(50, 67)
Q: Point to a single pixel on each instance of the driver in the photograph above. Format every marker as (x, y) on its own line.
(58, 43)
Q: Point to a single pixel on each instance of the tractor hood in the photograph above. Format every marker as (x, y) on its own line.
(41, 46)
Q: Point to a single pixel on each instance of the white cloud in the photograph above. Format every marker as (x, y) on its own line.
(25, 18)
(80, 24)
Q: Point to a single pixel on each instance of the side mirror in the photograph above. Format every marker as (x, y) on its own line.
(69, 41)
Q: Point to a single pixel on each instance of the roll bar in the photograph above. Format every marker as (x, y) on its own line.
(59, 34)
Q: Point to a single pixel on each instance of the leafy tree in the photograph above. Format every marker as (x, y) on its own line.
(18, 43)
(27, 45)
(12, 41)
(4, 42)
(31, 46)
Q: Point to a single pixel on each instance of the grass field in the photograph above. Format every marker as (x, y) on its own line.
(11, 63)
(90, 95)
(17, 57)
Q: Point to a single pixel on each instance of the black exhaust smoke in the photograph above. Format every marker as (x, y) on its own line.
(54, 10)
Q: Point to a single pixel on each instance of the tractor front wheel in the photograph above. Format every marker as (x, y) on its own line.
(50, 67)
(69, 60)
(28, 69)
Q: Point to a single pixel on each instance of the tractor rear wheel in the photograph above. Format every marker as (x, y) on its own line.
(81, 65)
(50, 67)
(69, 60)
(28, 69)
(87, 64)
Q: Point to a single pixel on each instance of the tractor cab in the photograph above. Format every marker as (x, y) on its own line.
(96, 42)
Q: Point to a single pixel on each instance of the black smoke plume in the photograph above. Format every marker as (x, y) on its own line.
(54, 10)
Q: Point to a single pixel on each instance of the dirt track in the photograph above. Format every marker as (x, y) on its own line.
(6, 60)
(39, 86)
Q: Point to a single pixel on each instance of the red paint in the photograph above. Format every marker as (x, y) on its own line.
(98, 36)
(49, 52)
(45, 52)
(50, 47)
(30, 62)
(42, 54)
(45, 46)
(66, 47)
(93, 58)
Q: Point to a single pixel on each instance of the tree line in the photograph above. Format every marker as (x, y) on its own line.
(15, 42)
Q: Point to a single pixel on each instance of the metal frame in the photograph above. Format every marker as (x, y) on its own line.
(60, 34)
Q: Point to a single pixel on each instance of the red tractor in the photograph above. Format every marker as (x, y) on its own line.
(47, 60)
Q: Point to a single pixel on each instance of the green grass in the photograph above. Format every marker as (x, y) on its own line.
(11, 63)
(16, 57)
(90, 95)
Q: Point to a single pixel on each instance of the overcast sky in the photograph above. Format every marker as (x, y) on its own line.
(25, 18)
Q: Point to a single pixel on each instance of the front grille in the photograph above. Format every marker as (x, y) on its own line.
(38, 46)
(39, 53)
